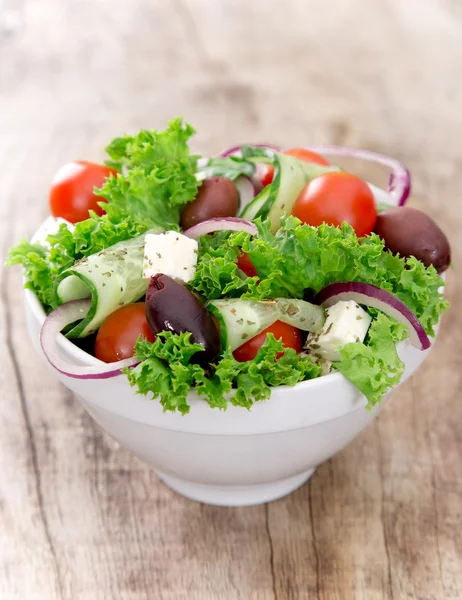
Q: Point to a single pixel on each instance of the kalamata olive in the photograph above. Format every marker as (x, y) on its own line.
(410, 232)
(172, 307)
(217, 197)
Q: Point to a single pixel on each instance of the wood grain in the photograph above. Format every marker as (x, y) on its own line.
(80, 518)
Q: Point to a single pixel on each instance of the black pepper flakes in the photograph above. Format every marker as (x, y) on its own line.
(292, 310)
(328, 329)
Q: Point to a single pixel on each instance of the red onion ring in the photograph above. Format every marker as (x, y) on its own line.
(221, 224)
(399, 183)
(54, 323)
(375, 297)
(247, 190)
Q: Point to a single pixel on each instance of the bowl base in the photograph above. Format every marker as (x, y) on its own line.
(235, 495)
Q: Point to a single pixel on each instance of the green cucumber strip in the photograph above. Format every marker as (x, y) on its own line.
(111, 277)
(250, 211)
(240, 320)
(301, 314)
(290, 177)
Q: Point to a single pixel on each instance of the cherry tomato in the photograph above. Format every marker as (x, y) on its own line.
(334, 198)
(245, 264)
(289, 335)
(265, 173)
(306, 155)
(116, 337)
(71, 194)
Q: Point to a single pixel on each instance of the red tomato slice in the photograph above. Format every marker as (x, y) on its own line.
(265, 174)
(116, 337)
(335, 198)
(289, 335)
(71, 194)
(245, 265)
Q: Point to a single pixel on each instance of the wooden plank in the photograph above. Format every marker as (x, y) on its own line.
(82, 519)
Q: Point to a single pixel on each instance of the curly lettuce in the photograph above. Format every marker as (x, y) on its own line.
(300, 259)
(374, 367)
(166, 370)
(39, 272)
(157, 179)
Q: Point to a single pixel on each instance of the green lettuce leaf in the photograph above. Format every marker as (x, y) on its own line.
(231, 167)
(157, 179)
(374, 367)
(39, 272)
(166, 371)
(300, 259)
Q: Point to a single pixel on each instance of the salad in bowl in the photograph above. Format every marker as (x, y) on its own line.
(226, 283)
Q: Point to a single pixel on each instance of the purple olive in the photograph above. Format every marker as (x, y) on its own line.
(172, 307)
(217, 197)
(408, 231)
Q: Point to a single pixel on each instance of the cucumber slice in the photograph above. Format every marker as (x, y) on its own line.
(240, 319)
(250, 211)
(290, 177)
(301, 314)
(112, 278)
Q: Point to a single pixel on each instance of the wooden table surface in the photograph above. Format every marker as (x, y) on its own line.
(80, 518)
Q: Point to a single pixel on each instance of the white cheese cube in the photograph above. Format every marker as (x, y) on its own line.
(346, 323)
(51, 225)
(170, 253)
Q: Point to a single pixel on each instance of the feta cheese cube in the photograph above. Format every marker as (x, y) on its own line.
(346, 323)
(170, 253)
(51, 225)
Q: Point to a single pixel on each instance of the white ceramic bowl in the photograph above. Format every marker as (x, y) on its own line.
(234, 457)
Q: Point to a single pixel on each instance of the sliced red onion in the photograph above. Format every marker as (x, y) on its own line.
(235, 150)
(247, 190)
(54, 323)
(375, 297)
(221, 224)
